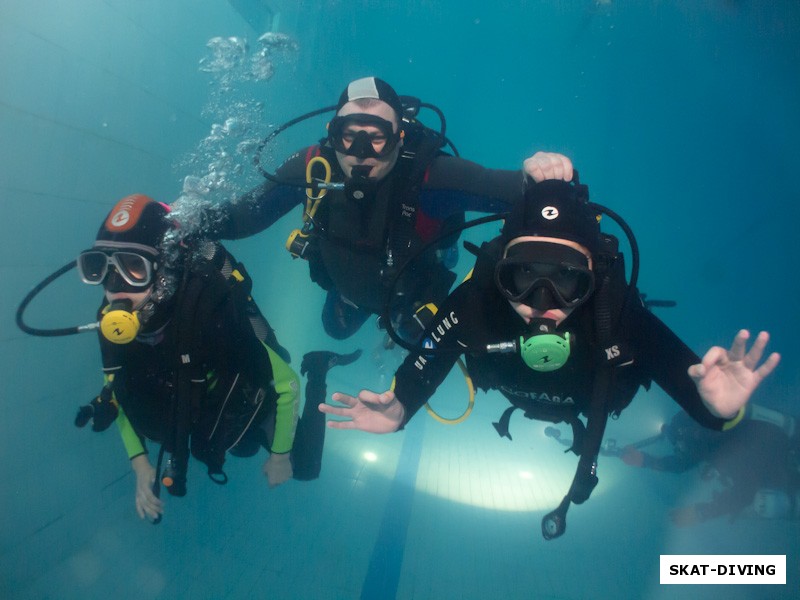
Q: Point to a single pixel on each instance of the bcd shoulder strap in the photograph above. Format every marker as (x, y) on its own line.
(202, 293)
(420, 147)
(611, 299)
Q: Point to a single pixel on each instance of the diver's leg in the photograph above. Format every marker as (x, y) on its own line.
(310, 436)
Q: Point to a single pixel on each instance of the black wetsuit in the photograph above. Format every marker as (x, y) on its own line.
(474, 316)
(352, 251)
(237, 368)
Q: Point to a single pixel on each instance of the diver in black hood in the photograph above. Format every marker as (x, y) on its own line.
(183, 362)
(549, 319)
(389, 187)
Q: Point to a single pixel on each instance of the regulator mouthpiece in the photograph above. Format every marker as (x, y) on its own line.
(544, 351)
(120, 324)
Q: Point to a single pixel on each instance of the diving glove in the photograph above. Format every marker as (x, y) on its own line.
(102, 411)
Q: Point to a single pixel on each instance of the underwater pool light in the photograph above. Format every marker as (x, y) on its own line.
(471, 465)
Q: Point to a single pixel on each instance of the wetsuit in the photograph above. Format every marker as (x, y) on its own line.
(474, 316)
(239, 370)
(351, 259)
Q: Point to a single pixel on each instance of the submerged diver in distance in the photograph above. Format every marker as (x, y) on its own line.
(549, 319)
(757, 464)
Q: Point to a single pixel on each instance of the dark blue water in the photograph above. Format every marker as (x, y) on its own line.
(682, 116)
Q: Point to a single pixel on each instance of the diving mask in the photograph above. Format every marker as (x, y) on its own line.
(379, 142)
(135, 269)
(544, 275)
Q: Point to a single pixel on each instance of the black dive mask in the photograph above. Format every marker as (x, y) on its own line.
(544, 276)
(363, 144)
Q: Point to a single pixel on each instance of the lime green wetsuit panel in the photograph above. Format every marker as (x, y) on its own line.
(132, 442)
(287, 386)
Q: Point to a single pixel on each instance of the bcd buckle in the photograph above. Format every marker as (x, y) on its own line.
(297, 243)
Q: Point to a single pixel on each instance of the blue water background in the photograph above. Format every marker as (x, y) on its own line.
(682, 116)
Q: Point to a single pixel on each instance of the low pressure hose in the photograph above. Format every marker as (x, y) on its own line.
(35, 292)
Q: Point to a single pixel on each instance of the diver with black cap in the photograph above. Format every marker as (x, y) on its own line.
(183, 363)
(549, 319)
(388, 187)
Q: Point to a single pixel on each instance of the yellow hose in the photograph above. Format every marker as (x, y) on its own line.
(470, 405)
(311, 209)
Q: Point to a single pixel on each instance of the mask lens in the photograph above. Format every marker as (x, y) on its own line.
(93, 266)
(136, 269)
(567, 282)
(572, 283)
(522, 277)
(362, 135)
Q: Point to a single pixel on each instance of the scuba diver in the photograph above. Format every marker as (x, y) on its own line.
(756, 464)
(388, 187)
(182, 361)
(549, 319)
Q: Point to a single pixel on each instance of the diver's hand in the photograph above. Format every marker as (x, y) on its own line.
(277, 469)
(632, 456)
(100, 412)
(375, 413)
(548, 165)
(726, 379)
(147, 504)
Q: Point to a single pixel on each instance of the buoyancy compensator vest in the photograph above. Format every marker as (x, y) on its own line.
(207, 412)
(356, 236)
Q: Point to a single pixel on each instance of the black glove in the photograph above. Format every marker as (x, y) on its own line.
(102, 411)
